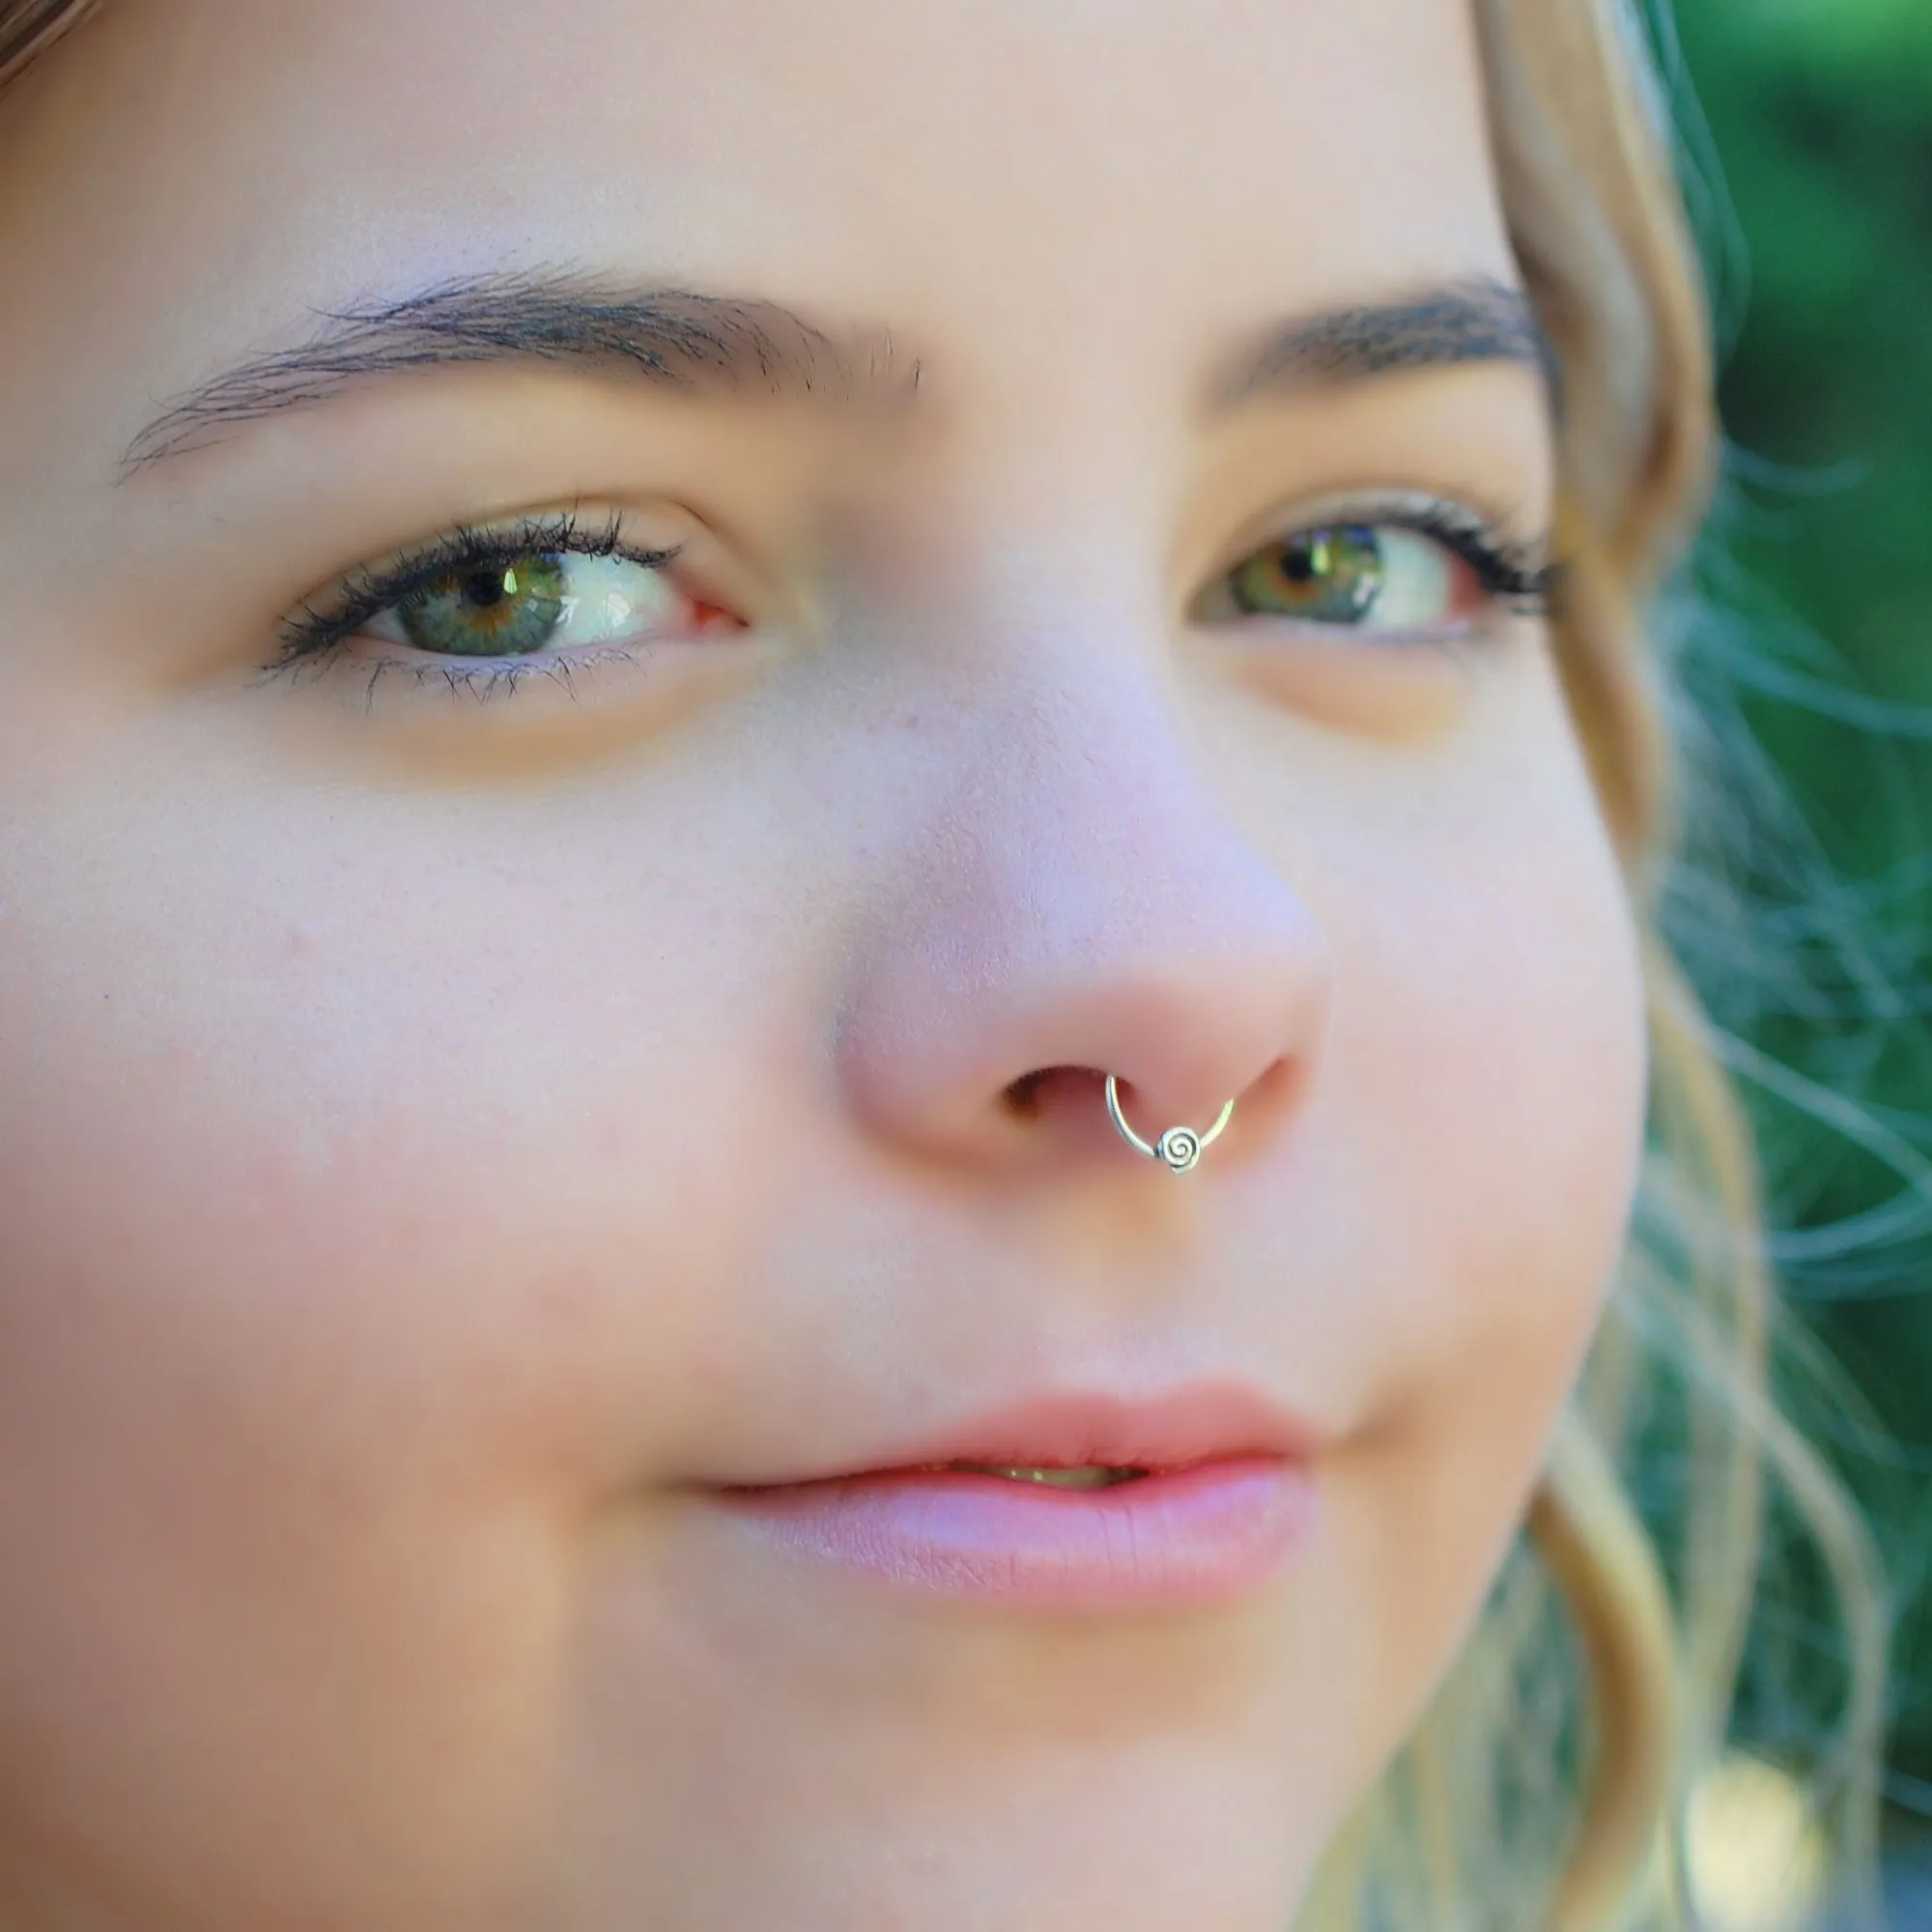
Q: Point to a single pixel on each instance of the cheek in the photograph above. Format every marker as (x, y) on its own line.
(381, 1127)
(1521, 1118)
(355, 1241)
(1497, 1056)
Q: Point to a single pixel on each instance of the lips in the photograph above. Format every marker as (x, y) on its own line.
(1071, 1430)
(1085, 1502)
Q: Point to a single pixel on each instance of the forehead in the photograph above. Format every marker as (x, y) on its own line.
(978, 171)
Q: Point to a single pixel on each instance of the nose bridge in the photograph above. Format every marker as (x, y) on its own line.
(1085, 795)
(1077, 894)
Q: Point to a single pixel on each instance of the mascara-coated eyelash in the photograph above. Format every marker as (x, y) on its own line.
(1382, 569)
(364, 594)
(1506, 573)
(1513, 574)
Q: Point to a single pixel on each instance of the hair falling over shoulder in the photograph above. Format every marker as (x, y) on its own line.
(1610, 1651)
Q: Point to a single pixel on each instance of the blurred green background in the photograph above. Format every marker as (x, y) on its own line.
(1817, 114)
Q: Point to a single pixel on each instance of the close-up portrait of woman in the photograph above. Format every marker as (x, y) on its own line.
(843, 1082)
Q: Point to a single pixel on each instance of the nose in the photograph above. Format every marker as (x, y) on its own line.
(1075, 900)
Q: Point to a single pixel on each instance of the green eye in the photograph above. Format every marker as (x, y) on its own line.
(498, 610)
(1330, 575)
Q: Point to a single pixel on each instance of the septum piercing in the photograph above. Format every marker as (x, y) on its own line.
(1179, 1147)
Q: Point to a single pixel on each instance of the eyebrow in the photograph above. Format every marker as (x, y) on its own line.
(700, 344)
(1477, 319)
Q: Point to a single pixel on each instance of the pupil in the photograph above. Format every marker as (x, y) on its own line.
(485, 587)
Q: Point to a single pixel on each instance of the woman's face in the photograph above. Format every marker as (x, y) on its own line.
(505, 1097)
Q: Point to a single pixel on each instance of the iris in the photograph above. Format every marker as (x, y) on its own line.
(501, 610)
(1331, 574)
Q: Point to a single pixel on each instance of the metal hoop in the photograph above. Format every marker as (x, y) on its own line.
(1180, 1147)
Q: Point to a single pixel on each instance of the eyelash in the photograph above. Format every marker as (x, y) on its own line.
(314, 634)
(1508, 573)
(1511, 574)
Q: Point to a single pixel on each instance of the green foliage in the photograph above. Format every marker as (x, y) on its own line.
(1819, 114)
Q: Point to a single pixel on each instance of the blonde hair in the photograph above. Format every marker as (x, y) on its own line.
(1606, 1647)
(1469, 1829)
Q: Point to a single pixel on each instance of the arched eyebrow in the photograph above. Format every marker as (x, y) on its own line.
(1477, 319)
(674, 338)
(705, 344)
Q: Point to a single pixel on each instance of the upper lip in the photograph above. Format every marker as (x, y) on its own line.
(1204, 1421)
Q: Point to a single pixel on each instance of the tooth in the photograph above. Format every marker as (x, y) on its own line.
(1092, 1477)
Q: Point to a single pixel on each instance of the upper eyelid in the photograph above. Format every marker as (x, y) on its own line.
(1366, 504)
(1371, 504)
(1400, 507)
(537, 530)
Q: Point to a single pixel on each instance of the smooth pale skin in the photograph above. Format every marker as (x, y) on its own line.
(432, 1140)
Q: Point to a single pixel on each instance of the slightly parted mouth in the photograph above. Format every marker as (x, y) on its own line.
(1082, 1476)
(1081, 1440)
(1074, 1476)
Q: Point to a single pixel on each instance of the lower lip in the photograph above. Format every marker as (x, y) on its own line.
(1175, 1539)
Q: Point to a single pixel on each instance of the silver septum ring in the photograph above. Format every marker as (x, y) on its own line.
(1179, 1147)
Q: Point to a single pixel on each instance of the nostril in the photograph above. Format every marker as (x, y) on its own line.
(1028, 1094)
(1022, 1097)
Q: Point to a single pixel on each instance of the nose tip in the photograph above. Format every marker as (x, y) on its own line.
(1169, 1075)
(1181, 963)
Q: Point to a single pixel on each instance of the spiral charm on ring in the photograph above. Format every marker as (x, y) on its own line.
(1177, 1148)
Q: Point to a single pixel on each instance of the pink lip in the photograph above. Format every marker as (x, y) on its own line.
(1229, 1497)
(1071, 1428)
